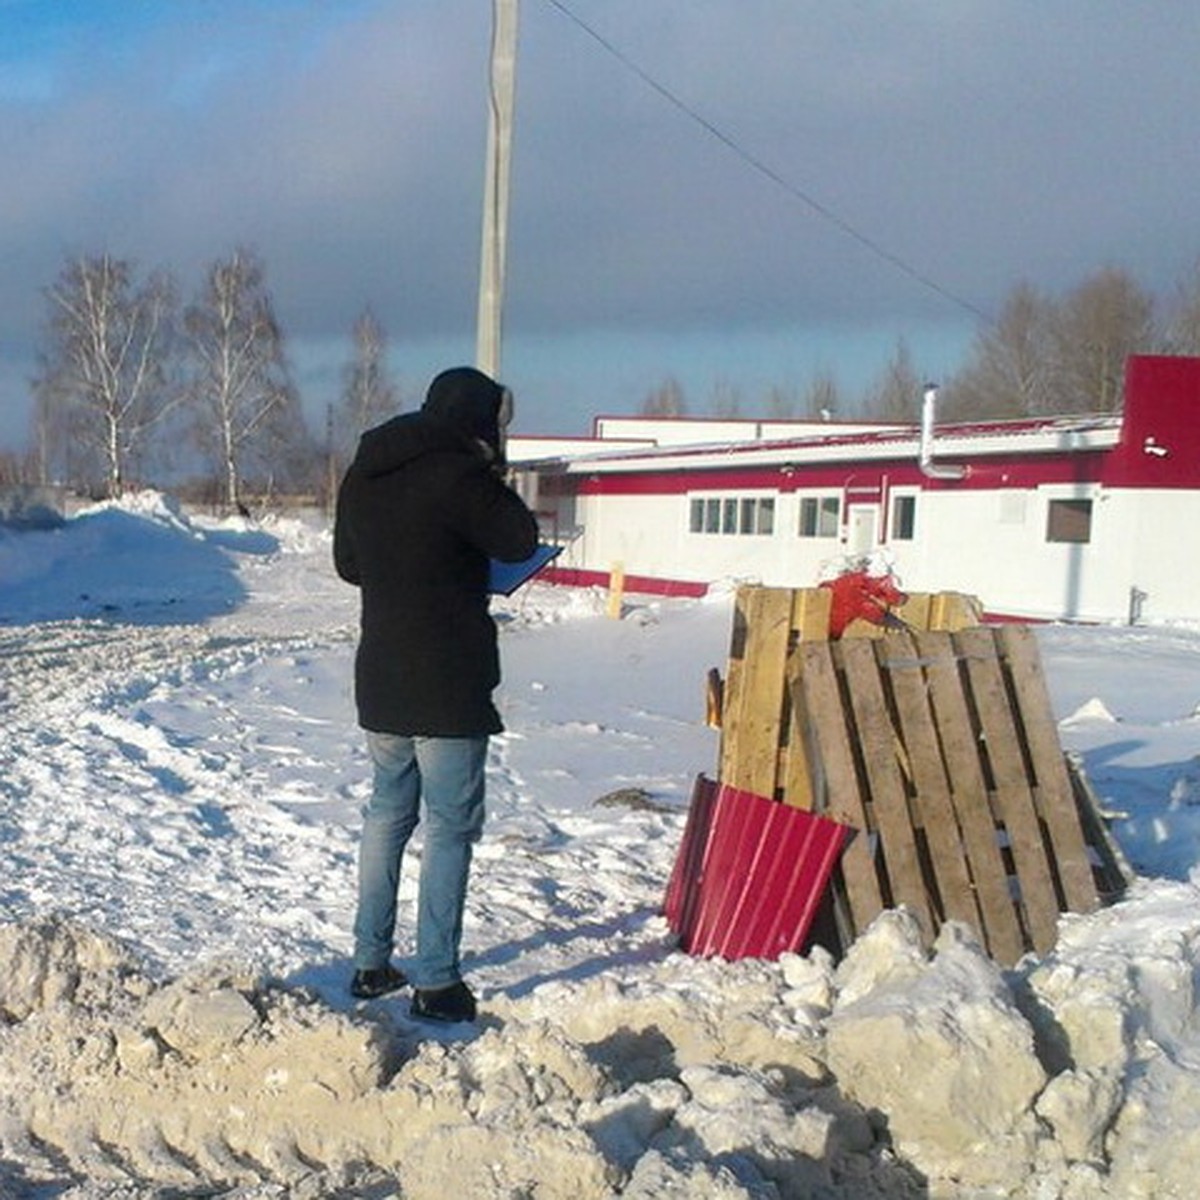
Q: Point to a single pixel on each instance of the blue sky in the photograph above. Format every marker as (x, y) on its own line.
(920, 162)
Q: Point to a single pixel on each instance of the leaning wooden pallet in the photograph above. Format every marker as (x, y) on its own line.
(936, 745)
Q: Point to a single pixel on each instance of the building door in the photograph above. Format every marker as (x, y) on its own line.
(863, 528)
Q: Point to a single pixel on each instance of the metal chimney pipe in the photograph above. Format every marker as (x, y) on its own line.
(929, 468)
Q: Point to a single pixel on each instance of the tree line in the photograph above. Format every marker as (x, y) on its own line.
(1041, 356)
(135, 385)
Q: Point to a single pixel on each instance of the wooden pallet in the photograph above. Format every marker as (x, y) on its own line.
(937, 744)
(752, 705)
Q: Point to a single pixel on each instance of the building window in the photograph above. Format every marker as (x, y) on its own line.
(704, 515)
(712, 515)
(1069, 521)
(766, 515)
(732, 515)
(904, 518)
(749, 508)
(730, 525)
(820, 516)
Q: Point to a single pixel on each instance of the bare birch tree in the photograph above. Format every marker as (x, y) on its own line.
(666, 400)
(1011, 367)
(1183, 329)
(897, 395)
(239, 378)
(103, 381)
(823, 398)
(1106, 319)
(782, 402)
(726, 399)
(369, 394)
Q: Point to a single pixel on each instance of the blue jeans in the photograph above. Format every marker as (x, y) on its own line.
(447, 775)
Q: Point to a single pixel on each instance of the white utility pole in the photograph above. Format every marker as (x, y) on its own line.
(495, 192)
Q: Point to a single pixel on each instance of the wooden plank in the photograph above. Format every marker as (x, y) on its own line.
(889, 803)
(817, 697)
(731, 701)
(810, 613)
(810, 621)
(752, 759)
(903, 670)
(797, 771)
(714, 698)
(1053, 793)
(860, 627)
(969, 796)
(616, 590)
(1113, 872)
(914, 612)
(731, 690)
(1010, 780)
(953, 611)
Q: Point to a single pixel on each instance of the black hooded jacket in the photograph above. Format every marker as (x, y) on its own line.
(419, 513)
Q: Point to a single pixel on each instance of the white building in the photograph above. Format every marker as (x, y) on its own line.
(1080, 518)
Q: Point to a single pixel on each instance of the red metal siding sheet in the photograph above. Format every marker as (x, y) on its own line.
(750, 875)
(682, 894)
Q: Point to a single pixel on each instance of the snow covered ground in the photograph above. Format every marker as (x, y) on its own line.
(180, 781)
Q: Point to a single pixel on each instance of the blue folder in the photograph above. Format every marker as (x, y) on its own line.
(505, 577)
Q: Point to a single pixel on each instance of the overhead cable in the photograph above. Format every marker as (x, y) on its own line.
(757, 164)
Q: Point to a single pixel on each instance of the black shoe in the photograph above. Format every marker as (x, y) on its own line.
(450, 1004)
(376, 981)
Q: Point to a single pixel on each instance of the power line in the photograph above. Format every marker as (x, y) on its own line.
(764, 169)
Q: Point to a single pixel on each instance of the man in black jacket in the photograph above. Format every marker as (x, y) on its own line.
(421, 510)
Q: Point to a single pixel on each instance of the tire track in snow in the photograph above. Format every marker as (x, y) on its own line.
(121, 814)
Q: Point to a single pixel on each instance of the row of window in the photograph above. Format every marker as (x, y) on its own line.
(733, 514)
(1068, 521)
(820, 516)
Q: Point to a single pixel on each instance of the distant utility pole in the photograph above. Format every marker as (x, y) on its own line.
(495, 192)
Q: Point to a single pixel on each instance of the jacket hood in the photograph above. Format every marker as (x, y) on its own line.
(398, 441)
(461, 410)
(468, 401)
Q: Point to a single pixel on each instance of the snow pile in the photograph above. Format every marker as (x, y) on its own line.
(140, 559)
(1094, 710)
(178, 806)
(892, 1072)
(222, 1080)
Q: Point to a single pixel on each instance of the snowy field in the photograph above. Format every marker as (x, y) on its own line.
(180, 783)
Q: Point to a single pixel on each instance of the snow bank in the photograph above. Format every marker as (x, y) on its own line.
(224, 1079)
(942, 1050)
(892, 1074)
